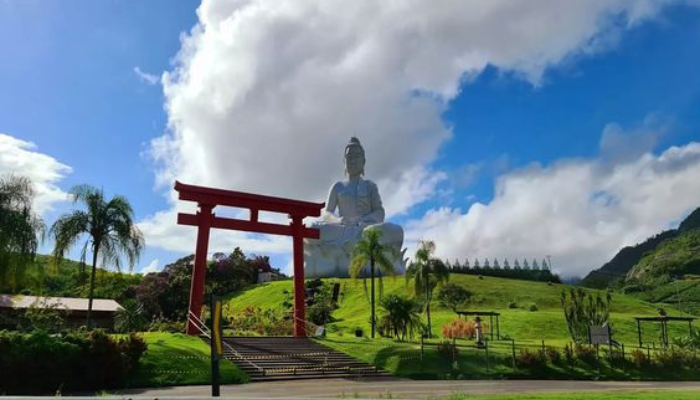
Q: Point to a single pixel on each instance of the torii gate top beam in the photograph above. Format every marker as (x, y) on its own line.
(254, 202)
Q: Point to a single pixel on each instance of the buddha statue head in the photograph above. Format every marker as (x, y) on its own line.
(354, 158)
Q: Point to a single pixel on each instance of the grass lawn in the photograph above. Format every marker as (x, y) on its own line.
(614, 395)
(178, 359)
(404, 359)
(527, 328)
(489, 294)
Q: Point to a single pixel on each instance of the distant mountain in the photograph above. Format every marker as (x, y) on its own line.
(629, 256)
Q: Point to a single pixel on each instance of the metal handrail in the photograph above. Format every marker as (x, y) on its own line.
(199, 324)
(207, 333)
(307, 324)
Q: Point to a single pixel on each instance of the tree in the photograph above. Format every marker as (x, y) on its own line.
(400, 316)
(427, 273)
(370, 249)
(109, 227)
(20, 230)
(582, 310)
(130, 317)
(166, 293)
(452, 295)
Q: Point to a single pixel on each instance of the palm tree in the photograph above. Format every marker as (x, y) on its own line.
(130, 318)
(427, 273)
(110, 229)
(369, 249)
(401, 316)
(20, 230)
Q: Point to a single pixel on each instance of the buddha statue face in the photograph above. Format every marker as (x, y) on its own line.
(354, 159)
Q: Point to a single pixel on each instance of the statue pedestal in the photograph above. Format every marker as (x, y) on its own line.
(329, 256)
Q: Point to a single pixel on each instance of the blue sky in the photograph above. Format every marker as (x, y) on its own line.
(68, 84)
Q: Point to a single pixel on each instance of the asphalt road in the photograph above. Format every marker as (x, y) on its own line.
(400, 388)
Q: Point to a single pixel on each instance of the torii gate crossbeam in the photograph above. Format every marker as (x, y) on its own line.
(205, 219)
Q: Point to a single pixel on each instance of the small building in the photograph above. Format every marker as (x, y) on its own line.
(268, 274)
(73, 309)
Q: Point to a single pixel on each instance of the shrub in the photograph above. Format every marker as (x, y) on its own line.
(261, 322)
(512, 304)
(639, 359)
(447, 350)
(39, 363)
(586, 354)
(672, 358)
(133, 348)
(529, 359)
(320, 313)
(569, 354)
(44, 316)
(691, 341)
(533, 307)
(553, 355)
(322, 305)
(160, 324)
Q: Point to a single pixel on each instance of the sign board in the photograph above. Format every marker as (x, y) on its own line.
(216, 329)
(599, 334)
(217, 350)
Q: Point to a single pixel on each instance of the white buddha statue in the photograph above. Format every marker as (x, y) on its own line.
(359, 207)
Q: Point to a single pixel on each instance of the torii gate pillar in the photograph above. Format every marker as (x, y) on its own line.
(205, 219)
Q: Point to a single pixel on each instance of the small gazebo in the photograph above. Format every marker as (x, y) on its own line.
(491, 315)
(663, 320)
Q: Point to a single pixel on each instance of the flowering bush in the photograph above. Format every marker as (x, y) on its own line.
(461, 329)
(262, 322)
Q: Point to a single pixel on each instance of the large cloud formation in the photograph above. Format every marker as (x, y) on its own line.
(264, 94)
(581, 212)
(21, 158)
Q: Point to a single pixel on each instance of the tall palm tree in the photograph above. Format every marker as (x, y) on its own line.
(370, 249)
(427, 273)
(110, 229)
(20, 230)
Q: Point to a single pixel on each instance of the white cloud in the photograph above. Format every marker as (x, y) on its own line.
(153, 266)
(145, 77)
(579, 211)
(162, 231)
(265, 94)
(20, 157)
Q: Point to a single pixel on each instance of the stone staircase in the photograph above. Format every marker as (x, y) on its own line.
(281, 358)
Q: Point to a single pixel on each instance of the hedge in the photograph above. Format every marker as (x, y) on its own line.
(40, 363)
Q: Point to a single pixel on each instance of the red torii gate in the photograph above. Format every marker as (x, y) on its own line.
(205, 219)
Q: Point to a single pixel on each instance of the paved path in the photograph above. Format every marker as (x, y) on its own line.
(400, 388)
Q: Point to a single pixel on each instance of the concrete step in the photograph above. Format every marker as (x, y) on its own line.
(279, 358)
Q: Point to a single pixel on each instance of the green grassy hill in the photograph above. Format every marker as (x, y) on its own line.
(683, 295)
(489, 294)
(677, 256)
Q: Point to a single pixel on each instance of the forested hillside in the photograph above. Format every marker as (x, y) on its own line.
(628, 257)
